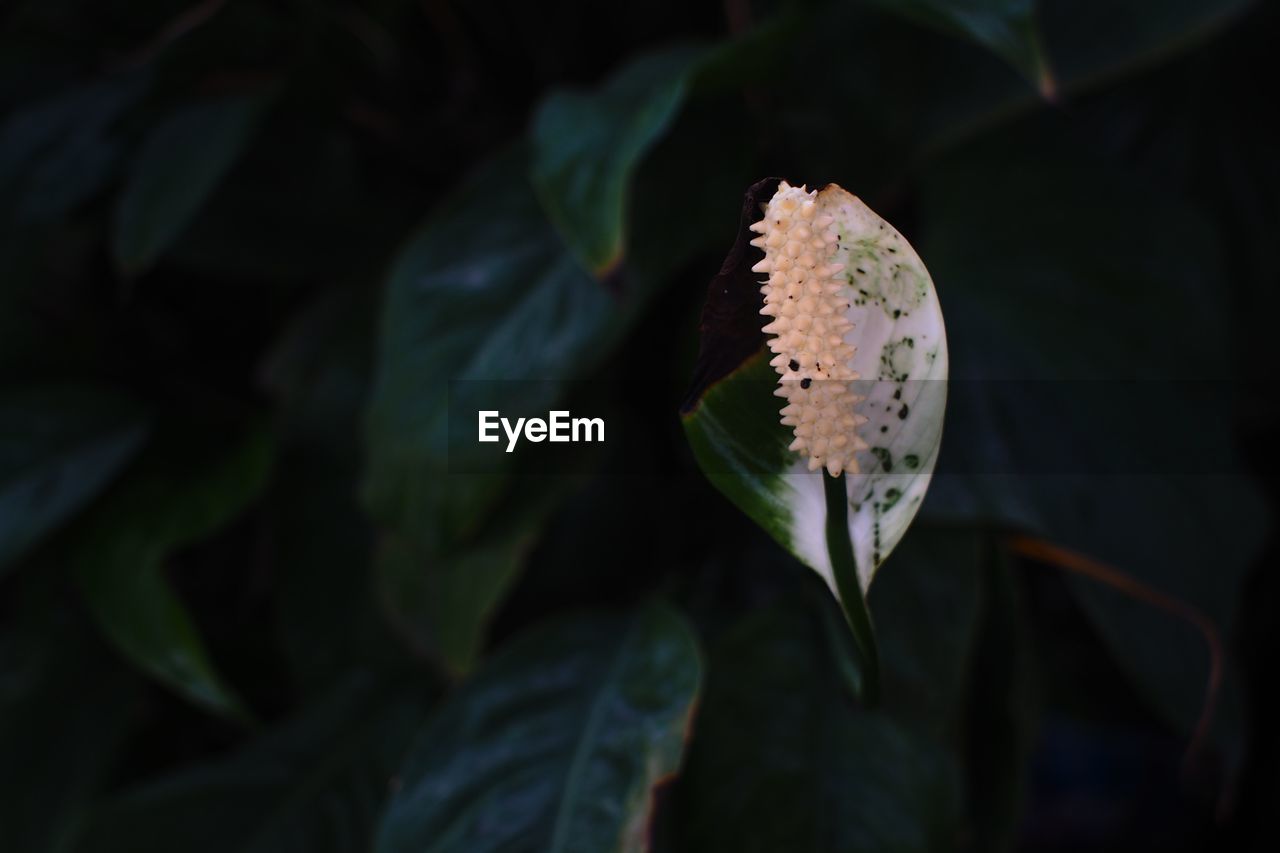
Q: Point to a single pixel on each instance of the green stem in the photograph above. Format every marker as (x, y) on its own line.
(844, 567)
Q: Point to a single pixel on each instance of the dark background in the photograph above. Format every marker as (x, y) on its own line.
(236, 575)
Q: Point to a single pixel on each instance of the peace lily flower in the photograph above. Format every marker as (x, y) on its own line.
(849, 333)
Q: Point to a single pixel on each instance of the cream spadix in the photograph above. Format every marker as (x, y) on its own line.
(808, 295)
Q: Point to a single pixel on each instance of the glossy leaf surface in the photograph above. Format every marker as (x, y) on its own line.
(556, 745)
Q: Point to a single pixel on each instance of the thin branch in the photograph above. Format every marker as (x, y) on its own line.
(1071, 561)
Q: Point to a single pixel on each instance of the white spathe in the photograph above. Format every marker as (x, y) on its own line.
(866, 329)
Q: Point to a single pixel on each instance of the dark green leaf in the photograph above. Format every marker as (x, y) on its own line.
(170, 501)
(782, 760)
(1108, 465)
(65, 707)
(1007, 27)
(927, 613)
(486, 291)
(900, 105)
(957, 665)
(556, 745)
(586, 148)
(19, 274)
(179, 164)
(1003, 713)
(664, 237)
(323, 542)
(1091, 41)
(59, 152)
(299, 186)
(313, 786)
(489, 291)
(58, 448)
(443, 605)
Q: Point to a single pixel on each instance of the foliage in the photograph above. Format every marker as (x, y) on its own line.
(256, 595)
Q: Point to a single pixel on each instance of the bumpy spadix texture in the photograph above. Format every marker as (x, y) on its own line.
(807, 296)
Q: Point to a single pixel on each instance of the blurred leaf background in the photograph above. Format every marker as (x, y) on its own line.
(246, 605)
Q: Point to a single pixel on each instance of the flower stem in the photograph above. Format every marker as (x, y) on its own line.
(844, 567)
